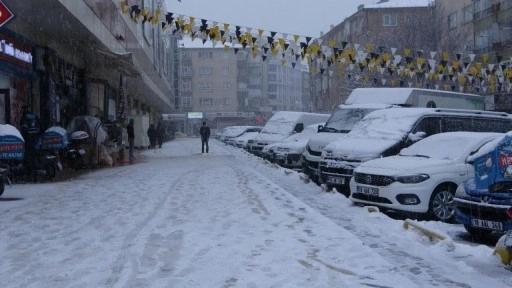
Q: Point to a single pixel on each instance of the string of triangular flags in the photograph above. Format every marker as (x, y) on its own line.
(463, 72)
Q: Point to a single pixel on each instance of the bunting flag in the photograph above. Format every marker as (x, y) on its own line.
(448, 70)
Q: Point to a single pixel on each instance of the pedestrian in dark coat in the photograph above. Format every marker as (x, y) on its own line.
(160, 134)
(204, 131)
(152, 136)
(131, 138)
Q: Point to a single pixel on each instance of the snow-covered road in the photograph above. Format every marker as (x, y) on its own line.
(178, 218)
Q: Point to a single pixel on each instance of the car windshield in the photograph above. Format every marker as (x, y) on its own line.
(345, 118)
(278, 127)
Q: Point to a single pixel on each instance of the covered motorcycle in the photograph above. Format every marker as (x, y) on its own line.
(12, 148)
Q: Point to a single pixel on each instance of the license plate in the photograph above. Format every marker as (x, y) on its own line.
(336, 180)
(487, 224)
(368, 190)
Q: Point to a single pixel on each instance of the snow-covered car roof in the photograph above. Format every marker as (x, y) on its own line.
(450, 145)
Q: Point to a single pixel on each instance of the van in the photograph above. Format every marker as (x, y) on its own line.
(385, 132)
(281, 125)
(365, 100)
(340, 123)
(416, 97)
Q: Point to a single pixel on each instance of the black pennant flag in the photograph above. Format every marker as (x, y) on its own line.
(308, 39)
(236, 50)
(344, 44)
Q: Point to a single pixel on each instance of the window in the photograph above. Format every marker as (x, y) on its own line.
(205, 101)
(186, 101)
(205, 71)
(220, 102)
(187, 71)
(452, 20)
(205, 55)
(205, 86)
(186, 86)
(389, 20)
(226, 70)
(468, 14)
(226, 85)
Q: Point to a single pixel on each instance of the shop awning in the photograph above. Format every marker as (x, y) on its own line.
(124, 62)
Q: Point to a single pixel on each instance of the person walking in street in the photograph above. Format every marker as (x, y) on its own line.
(160, 134)
(152, 136)
(131, 138)
(204, 131)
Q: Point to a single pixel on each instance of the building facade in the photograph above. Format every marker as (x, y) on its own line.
(93, 59)
(373, 28)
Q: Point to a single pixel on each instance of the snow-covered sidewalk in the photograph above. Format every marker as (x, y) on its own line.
(180, 218)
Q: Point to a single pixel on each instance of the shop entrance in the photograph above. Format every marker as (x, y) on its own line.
(5, 106)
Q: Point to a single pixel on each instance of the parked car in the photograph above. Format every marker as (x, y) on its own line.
(484, 202)
(422, 178)
(234, 131)
(339, 124)
(288, 153)
(385, 132)
(281, 125)
(241, 141)
(231, 140)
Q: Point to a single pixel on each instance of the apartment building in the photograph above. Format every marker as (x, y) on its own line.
(384, 25)
(235, 87)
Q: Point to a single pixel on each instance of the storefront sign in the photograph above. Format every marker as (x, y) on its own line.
(5, 14)
(15, 52)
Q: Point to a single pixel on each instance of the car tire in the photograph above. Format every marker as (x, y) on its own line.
(441, 206)
(477, 232)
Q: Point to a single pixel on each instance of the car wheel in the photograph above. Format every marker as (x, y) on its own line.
(477, 232)
(441, 205)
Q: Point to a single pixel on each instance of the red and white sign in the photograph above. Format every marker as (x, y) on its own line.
(5, 14)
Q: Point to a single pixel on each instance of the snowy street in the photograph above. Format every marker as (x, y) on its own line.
(177, 218)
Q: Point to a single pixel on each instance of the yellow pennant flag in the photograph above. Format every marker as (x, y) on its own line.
(226, 27)
(156, 17)
(386, 57)
(283, 62)
(296, 38)
(445, 55)
(485, 58)
(407, 52)
(123, 7)
(226, 47)
(369, 47)
(260, 32)
(281, 43)
(332, 43)
(479, 66)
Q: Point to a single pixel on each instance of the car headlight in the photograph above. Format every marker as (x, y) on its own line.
(412, 179)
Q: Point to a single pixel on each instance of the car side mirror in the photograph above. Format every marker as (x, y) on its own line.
(320, 128)
(298, 128)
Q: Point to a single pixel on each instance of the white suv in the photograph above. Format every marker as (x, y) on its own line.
(422, 178)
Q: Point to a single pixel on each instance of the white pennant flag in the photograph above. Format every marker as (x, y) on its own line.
(437, 86)
(356, 46)
(472, 57)
(393, 50)
(433, 54)
(410, 84)
(384, 81)
(461, 88)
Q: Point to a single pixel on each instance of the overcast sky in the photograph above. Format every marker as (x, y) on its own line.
(301, 17)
